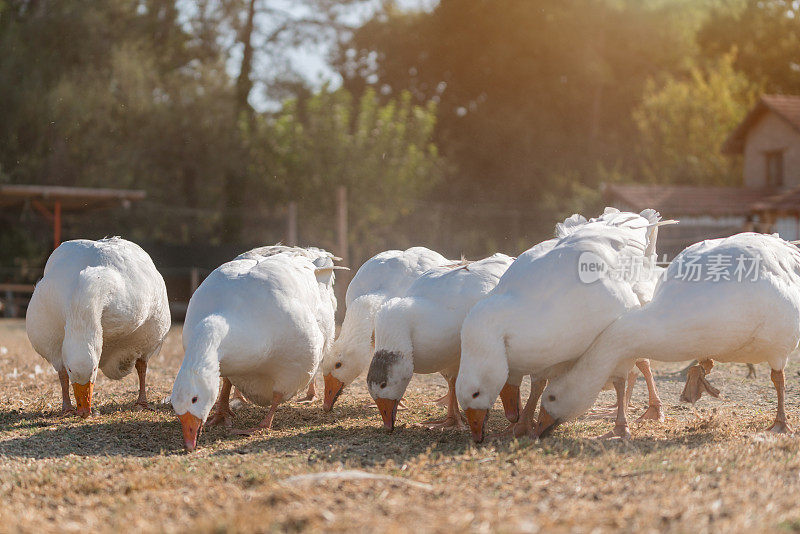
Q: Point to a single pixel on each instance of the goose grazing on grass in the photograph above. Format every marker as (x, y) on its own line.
(100, 304)
(263, 322)
(545, 312)
(735, 299)
(382, 277)
(419, 333)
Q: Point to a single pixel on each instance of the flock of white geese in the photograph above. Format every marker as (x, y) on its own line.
(264, 324)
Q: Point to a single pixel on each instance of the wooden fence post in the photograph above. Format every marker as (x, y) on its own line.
(194, 276)
(11, 306)
(342, 250)
(56, 224)
(341, 224)
(291, 224)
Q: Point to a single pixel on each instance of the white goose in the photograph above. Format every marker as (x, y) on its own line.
(100, 304)
(382, 277)
(745, 307)
(263, 322)
(523, 423)
(541, 316)
(419, 333)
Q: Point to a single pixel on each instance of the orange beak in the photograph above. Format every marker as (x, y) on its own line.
(83, 398)
(477, 423)
(509, 395)
(545, 425)
(191, 429)
(333, 388)
(388, 409)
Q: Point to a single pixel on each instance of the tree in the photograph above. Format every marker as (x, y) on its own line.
(115, 94)
(261, 36)
(382, 152)
(684, 121)
(766, 36)
(530, 92)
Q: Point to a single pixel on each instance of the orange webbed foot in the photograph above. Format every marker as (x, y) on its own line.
(447, 422)
(142, 406)
(653, 413)
(696, 384)
(221, 417)
(780, 427)
(619, 432)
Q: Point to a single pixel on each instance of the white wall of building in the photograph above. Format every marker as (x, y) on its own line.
(771, 133)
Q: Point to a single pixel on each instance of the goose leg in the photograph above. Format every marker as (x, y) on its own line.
(443, 400)
(524, 426)
(781, 425)
(266, 424)
(222, 413)
(654, 410)
(311, 394)
(621, 429)
(632, 376)
(66, 403)
(610, 410)
(239, 397)
(453, 419)
(141, 370)
(751, 370)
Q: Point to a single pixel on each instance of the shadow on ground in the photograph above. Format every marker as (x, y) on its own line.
(95, 438)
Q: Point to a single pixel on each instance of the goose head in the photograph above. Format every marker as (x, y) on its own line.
(193, 396)
(81, 358)
(611, 356)
(352, 351)
(387, 380)
(477, 387)
(565, 398)
(340, 367)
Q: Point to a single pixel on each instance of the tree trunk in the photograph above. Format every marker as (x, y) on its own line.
(234, 180)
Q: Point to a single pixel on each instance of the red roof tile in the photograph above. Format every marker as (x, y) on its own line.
(786, 107)
(786, 201)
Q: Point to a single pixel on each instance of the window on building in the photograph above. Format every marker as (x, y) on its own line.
(774, 168)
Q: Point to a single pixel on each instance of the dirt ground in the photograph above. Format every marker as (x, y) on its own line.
(707, 468)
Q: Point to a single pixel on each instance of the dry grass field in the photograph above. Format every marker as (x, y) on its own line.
(708, 468)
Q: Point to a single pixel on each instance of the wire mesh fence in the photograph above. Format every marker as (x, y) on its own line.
(186, 244)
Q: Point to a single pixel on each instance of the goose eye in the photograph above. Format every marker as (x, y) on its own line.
(383, 385)
(194, 399)
(338, 364)
(551, 398)
(475, 395)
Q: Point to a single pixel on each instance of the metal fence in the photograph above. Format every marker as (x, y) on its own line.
(185, 243)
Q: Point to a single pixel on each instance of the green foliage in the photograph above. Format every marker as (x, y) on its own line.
(502, 114)
(683, 123)
(382, 153)
(138, 95)
(766, 35)
(542, 100)
(530, 92)
(105, 94)
(18, 261)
